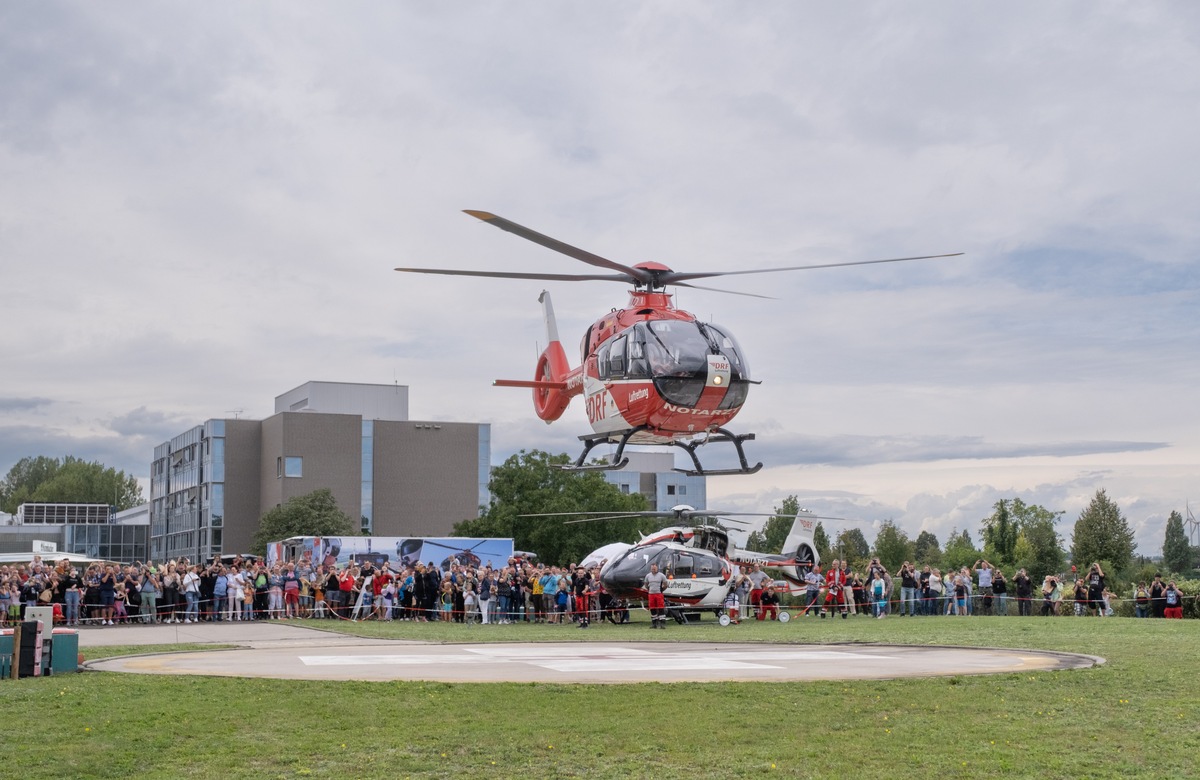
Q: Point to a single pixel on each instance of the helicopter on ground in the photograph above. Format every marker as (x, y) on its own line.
(700, 560)
(650, 374)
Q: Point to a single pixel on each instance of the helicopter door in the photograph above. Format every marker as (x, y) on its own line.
(682, 567)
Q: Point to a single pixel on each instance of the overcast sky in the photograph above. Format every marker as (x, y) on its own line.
(201, 206)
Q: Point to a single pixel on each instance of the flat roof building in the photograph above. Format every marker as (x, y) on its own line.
(94, 530)
(652, 474)
(210, 485)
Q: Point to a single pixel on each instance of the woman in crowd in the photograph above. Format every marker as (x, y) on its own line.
(275, 592)
(234, 592)
(108, 595)
(190, 584)
(1051, 595)
(170, 600)
(72, 597)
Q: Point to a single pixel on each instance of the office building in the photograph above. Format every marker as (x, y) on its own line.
(211, 484)
(651, 474)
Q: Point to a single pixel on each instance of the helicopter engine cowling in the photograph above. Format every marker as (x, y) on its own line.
(552, 366)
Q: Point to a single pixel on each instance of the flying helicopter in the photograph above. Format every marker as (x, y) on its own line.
(650, 374)
(699, 560)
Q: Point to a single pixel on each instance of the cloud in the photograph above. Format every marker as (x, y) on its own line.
(149, 424)
(126, 454)
(217, 199)
(23, 404)
(847, 450)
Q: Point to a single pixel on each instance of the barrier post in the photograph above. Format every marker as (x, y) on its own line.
(16, 654)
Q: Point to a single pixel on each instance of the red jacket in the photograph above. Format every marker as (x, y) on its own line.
(835, 579)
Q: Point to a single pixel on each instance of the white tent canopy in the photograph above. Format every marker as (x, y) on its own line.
(48, 558)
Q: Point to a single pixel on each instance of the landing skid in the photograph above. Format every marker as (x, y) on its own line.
(619, 460)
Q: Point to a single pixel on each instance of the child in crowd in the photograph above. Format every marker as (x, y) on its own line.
(732, 606)
(248, 600)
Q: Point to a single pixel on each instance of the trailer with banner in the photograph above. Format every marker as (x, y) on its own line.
(396, 551)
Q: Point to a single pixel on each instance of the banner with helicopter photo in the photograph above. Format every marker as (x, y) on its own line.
(396, 551)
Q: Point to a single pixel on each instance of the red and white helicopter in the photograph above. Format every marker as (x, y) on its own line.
(650, 374)
(699, 560)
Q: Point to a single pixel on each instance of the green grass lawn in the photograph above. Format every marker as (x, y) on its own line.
(1135, 716)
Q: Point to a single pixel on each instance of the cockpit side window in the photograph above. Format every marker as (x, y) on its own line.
(637, 366)
(616, 358)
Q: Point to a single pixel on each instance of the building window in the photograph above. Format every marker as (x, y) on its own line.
(670, 490)
(368, 477)
(293, 467)
(625, 489)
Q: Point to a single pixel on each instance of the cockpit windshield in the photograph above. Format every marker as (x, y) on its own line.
(674, 353)
(634, 565)
(670, 348)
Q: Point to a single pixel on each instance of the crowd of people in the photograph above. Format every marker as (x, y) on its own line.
(522, 591)
(982, 589)
(248, 589)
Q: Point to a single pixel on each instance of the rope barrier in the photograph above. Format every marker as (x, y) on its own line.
(319, 610)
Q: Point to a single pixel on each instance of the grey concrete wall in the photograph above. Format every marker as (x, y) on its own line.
(243, 446)
(426, 477)
(331, 445)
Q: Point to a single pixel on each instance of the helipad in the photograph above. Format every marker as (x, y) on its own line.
(587, 662)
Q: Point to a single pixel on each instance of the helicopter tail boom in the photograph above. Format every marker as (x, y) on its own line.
(551, 385)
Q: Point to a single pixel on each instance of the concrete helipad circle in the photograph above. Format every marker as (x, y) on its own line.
(600, 662)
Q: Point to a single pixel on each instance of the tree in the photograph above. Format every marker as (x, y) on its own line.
(926, 549)
(821, 542)
(1039, 548)
(69, 480)
(1102, 534)
(959, 552)
(313, 514)
(851, 545)
(1177, 553)
(892, 545)
(533, 483)
(775, 531)
(1000, 531)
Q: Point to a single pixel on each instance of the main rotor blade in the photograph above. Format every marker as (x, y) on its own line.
(674, 277)
(640, 275)
(516, 275)
(727, 292)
